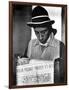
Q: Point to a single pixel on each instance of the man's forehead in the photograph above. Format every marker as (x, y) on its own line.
(40, 28)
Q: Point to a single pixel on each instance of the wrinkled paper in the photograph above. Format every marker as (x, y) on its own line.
(36, 72)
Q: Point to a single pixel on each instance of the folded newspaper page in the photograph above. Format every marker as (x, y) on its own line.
(36, 72)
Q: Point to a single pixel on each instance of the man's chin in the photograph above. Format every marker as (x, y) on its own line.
(43, 42)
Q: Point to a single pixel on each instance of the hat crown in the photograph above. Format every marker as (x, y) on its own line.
(38, 11)
(40, 18)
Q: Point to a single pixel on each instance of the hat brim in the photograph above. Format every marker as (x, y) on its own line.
(54, 31)
(40, 24)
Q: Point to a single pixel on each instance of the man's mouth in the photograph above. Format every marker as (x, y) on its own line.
(41, 40)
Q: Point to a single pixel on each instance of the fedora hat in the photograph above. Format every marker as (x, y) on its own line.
(40, 17)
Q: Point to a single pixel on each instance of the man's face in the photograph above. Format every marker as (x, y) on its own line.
(42, 34)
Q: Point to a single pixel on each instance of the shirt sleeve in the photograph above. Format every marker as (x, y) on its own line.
(29, 49)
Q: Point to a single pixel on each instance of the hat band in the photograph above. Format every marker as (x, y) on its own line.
(41, 16)
(40, 19)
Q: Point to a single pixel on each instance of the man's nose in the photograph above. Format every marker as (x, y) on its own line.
(41, 36)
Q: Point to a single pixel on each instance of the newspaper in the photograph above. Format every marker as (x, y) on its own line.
(36, 72)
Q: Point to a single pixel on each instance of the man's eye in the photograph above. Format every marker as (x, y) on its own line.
(43, 32)
(36, 32)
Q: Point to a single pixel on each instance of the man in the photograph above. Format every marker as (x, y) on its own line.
(46, 47)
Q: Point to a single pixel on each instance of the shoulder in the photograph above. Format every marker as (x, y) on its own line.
(60, 42)
(33, 42)
(57, 42)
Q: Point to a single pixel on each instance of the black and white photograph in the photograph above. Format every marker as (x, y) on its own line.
(37, 44)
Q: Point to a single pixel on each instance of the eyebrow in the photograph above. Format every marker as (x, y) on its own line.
(41, 31)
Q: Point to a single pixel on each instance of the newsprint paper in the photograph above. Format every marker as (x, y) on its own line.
(36, 72)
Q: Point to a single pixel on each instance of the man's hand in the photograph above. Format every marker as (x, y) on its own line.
(22, 61)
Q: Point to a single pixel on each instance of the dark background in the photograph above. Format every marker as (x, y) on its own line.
(21, 32)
